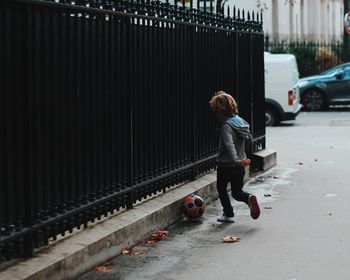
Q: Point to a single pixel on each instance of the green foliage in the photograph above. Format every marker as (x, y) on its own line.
(312, 58)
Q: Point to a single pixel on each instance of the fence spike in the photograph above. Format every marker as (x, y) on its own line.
(198, 5)
(183, 3)
(243, 14)
(239, 13)
(228, 10)
(191, 4)
(248, 16)
(234, 11)
(257, 17)
(211, 6)
(253, 14)
(205, 5)
(261, 17)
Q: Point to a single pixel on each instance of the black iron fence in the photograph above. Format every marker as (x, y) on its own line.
(106, 102)
(312, 57)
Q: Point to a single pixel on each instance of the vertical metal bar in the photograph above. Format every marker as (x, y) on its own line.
(80, 96)
(4, 30)
(94, 105)
(125, 122)
(149, 152)
(106, 66)
(119, 114)
(138, 108)
(63, 122)
(74, 111)
(28, 218)
(252, 82)
(86, 108)
(47, 111)
(128, 62)
(195, 95)
(173, 133)
(113, 50)
(37, 118)
(155, 103)
(100, 95)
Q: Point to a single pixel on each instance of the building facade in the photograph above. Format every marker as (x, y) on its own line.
(313, 20)
(316, 20)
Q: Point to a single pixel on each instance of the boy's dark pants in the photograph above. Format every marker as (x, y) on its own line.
(235, 176)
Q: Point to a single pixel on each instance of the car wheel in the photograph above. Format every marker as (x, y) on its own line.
(313, 100)
(271, 117)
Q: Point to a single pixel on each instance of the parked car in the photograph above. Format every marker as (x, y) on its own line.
(281, 90)
(331, 87)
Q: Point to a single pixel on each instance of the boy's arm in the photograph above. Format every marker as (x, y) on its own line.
(227, 140)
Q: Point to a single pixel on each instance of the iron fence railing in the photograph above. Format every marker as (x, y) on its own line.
(106, 102)
(312, 57)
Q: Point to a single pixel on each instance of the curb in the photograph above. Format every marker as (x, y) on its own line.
(95, 245)
(88, 248)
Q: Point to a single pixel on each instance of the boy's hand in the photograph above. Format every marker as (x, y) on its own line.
(244, 162)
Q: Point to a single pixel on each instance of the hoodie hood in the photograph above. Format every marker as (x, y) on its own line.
(240, 126)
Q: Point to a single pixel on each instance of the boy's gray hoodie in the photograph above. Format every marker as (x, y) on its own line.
(234, 136)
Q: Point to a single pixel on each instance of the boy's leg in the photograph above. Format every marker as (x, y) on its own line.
(223, 177)
(237, 183)
(237, 177)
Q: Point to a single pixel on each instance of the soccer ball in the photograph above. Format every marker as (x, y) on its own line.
(193, 207)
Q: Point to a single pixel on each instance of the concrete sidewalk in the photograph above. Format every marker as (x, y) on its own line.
(86, 249)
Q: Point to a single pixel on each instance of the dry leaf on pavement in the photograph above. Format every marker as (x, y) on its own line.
(231, 239)
(138, 252)
(267, 194)
(103, 268)
(160, 235)
(150, 242)
(157, 236)
(126, 251)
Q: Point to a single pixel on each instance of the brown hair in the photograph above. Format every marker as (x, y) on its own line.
(223, 104)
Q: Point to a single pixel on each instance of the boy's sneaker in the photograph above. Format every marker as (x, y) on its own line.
(254, 207)
(224, 218)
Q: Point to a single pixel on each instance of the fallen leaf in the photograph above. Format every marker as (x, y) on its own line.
(267, 207)
(138, 252)
(150, 242)
(126, 251)
(267, 194)
(158, 236)
(231, 239)
(275, 177)
(300, 163)
(103, 268)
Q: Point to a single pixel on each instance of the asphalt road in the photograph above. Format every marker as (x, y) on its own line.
(304, 229)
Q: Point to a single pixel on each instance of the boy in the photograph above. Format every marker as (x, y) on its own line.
(234, 136)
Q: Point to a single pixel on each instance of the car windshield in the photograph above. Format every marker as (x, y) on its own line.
(331, 71)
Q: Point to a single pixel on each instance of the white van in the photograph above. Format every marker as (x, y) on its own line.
(282, 100)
